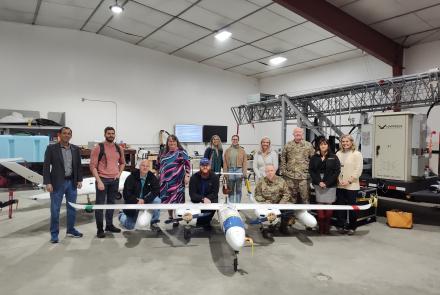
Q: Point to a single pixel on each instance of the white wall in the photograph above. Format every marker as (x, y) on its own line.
(422, 57)
(49, 69)
(346, 72)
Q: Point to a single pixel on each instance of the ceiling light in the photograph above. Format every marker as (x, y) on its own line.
(223, 35)
(116, 8)
(277, 60)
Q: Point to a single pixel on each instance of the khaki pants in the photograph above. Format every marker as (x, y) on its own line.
(299, 190)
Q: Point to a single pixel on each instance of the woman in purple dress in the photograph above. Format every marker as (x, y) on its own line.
(174, 170)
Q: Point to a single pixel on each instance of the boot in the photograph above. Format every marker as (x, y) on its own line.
(326, 224)
(267, 234)
(321, 219)
(284, 227)
(328, 221)
(321, 227)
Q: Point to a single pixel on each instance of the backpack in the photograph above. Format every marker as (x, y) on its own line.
(102, 152)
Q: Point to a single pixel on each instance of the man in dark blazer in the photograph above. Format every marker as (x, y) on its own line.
(62, 175)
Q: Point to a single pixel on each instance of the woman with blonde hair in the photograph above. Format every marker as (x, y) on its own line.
(264, 156)
(348, 183)
(215, 154)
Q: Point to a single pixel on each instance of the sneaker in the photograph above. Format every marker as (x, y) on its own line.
(74, 234)
(54, 240)
(112, 229)
(154, 227)
(350, 232)
(341, 230)
(100, 234)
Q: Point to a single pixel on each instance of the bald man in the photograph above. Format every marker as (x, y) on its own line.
(140, 187)
(295, 166)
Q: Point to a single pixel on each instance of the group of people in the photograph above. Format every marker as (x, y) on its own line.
(335, 178)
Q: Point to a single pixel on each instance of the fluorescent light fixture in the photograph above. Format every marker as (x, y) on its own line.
(277, 60)
(116, 8)
(223, 35)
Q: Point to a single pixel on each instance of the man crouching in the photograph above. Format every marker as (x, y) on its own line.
(272, 189)
(203, 188)
(140, 187)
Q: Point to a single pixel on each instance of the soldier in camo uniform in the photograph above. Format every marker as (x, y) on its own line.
(272, 189)
(295, 166)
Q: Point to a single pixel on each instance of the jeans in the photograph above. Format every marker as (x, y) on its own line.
(130, 222)
(206, 219)
(235, 183)
(346, 197)
(68, 188)
(111, 187)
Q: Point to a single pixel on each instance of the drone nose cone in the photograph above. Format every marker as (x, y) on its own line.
(235, 237)
(143, 220)
(306, 218)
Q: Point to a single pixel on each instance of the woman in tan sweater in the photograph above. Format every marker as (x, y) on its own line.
(348, 183)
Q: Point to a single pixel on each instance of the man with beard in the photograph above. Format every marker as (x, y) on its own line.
(106, 164)
(203, 188)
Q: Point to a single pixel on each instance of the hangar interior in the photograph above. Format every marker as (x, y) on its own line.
(255, 67)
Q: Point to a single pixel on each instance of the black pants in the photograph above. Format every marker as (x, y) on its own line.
(346, 197)
(106, 196)
(206, 219)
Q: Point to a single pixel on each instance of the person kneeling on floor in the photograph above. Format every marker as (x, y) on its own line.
(272, 189)
(140, 187)
(203, 188)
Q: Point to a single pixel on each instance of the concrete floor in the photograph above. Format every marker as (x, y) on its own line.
(377, 260)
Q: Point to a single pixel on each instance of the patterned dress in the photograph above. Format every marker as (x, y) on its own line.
(172, 168)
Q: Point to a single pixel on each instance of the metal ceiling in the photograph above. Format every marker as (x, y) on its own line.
(260, 29)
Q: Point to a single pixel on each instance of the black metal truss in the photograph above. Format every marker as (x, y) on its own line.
(396, 93)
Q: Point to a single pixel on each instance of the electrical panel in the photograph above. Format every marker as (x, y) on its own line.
(399, 141)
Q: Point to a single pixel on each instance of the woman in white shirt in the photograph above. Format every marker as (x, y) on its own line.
(264, 156)
(348, 183)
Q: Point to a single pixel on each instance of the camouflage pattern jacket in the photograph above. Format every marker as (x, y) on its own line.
(275, 191)
(295, 159)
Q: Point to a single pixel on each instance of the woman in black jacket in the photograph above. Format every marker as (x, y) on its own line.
(324, 169)
(140, 187)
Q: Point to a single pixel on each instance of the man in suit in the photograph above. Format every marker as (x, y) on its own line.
(62, 175)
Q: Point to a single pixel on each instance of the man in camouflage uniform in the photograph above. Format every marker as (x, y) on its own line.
(272, 189)
(295, 166)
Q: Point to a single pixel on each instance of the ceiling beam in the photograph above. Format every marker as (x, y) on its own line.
(346, 27)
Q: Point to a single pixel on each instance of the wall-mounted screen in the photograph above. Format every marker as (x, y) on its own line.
(188, 132)
(210, 130)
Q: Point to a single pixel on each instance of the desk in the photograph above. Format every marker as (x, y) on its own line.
(130, 158)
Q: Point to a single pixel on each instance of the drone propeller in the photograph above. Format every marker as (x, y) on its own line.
(270, 217)
(186, 217)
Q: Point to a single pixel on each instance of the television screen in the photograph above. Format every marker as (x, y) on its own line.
(210, 130)
(188, 133)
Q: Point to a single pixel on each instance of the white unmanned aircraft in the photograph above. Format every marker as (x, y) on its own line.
(231, 222)
(88, 184)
